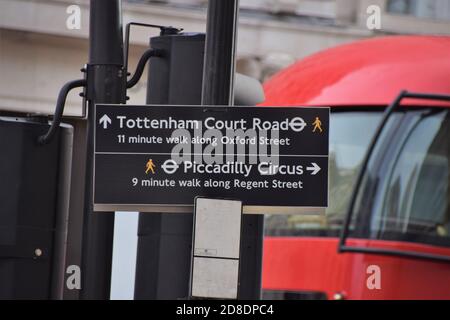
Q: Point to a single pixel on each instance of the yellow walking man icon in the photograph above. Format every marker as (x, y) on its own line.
(317, 125)
(150, 166)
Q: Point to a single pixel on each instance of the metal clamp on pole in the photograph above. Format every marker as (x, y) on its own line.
(60, 104)
(141, 66)
(164, 30)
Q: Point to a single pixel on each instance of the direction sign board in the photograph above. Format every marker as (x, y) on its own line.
(159, 158)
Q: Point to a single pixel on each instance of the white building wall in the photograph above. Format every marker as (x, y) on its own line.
(38, 54)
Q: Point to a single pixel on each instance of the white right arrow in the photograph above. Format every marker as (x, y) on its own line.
(105, 120)
(315, 169)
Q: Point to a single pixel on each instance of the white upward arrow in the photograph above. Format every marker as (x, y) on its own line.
(105, 120)
(315, 169)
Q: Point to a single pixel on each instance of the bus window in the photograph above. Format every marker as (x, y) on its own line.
(412, 198)
(350, 135)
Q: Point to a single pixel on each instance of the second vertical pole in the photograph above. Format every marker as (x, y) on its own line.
(220, 52)
(106, 84)
(218, 89)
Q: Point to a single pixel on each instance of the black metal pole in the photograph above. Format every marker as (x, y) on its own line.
(106, 84)
(218, 89)
(164, 240)
(220, 51)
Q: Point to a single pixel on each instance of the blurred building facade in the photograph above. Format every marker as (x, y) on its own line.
(38, 53)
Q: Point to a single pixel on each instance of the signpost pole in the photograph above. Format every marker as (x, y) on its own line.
(220, 52)
(218, 89)
(165, 238)
(106, 84)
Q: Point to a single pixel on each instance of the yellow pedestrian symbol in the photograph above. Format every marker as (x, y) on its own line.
(150, 166)
(317, 125)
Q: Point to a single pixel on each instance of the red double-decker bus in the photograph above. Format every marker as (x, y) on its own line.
(386, 232)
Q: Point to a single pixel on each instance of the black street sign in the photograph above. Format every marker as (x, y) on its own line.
(159, 158)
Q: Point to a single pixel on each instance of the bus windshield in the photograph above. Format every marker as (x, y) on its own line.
(405, 192)
(405, 195)
(350, 135)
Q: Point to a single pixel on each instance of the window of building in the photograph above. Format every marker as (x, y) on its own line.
(426, 9)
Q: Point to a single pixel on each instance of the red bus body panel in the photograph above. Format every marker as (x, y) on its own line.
(361, 74)
(364, 73)
(313, 264)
